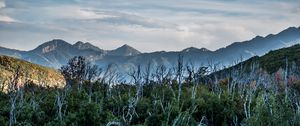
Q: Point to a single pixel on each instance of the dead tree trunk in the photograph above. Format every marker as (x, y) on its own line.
(60, 101)
(179, 74)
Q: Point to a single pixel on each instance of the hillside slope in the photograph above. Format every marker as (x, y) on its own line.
(39, 75)
(270, 62)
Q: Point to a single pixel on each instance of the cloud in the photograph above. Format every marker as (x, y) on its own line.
(3, 16)
(2, 4)
(146, 25)
(6, 19)
(74, 13)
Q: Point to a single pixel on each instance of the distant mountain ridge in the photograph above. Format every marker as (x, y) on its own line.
(260, 45)
(57, 52)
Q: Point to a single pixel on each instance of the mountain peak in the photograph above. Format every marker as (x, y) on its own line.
(85, 46)
(258, 37)
(51, 46)
(291, 31)
(78, 43)
(293, 28)
(205, 50)
(189, 49)
(124, 50)
(126, 46)
(194, 49)
(55, 42)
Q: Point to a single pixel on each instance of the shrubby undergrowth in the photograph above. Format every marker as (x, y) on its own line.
(181, 96)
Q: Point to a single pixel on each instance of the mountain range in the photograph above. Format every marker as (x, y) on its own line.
(57, 52)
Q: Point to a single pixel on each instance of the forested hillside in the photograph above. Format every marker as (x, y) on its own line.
(23, 72)
(284, 58)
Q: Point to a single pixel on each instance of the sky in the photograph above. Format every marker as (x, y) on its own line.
(147, 25)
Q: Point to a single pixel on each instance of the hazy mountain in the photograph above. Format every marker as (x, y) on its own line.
(87, 46)
(52, 53)
(124, 50)
(11, 52)
(259, 45)
(190, 55)
(224, 56)
(57, 52)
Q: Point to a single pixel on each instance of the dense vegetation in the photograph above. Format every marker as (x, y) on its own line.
(182, 95)
(270, 62)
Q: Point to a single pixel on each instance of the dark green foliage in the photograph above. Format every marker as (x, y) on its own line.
(158, 106)
(270, 62)
(276, 59)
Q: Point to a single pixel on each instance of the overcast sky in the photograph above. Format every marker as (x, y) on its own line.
(147, 25)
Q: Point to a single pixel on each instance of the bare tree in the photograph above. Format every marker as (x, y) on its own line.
(191, 79)
(147, 73)
(247, 103)
(286, 77)
(179, 75)
(13, 94)
(129, 111)
(203, 121)
(136, 75)
(92, 73)
(109, 77)
(60, 101)
(252, 81)
(160, 74)
(113, 123)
